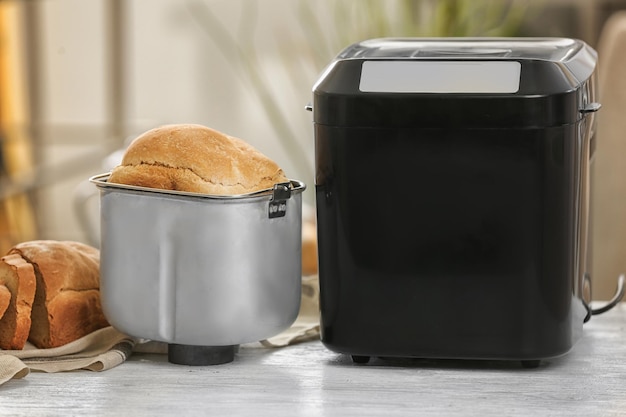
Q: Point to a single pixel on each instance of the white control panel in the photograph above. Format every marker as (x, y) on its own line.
(440, 76)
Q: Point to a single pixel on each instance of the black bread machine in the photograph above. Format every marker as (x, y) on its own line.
(452, 189)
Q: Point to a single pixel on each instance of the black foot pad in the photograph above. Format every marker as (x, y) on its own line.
(360, 359)
(199, 355)
(531, 363)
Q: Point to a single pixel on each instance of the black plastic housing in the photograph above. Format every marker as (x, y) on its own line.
(454, 225)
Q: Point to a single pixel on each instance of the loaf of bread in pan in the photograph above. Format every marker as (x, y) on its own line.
(195, 158)
(17, 292)
(67, 304)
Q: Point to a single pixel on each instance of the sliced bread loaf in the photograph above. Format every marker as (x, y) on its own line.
(67, 300)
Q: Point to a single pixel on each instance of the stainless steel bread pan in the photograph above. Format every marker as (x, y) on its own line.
(200, 270)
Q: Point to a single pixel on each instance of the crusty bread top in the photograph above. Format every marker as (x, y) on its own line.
(195, 158)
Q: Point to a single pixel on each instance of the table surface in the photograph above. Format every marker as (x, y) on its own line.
(309, 380)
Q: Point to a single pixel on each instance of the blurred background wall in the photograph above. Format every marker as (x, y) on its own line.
(98, 72)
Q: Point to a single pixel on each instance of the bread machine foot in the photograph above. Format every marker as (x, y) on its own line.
(360, 359)
(200, 355)
(531, 363)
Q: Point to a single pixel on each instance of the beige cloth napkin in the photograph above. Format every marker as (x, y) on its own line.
(106, 348)
(98, 351)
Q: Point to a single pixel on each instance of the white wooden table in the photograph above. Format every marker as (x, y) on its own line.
(309, 380)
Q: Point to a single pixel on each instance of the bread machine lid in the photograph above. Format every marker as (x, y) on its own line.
(494, 82)
(546, 49)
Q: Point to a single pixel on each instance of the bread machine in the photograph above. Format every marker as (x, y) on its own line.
(452, 189)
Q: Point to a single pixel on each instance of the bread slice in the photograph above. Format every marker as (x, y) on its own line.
(17, 292)
(195, 158)
(67, 299)
(5, 299)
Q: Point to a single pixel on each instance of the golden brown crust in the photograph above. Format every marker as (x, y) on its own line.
(195, 158)
(75, 314)
(18, 277)
(67, 300)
